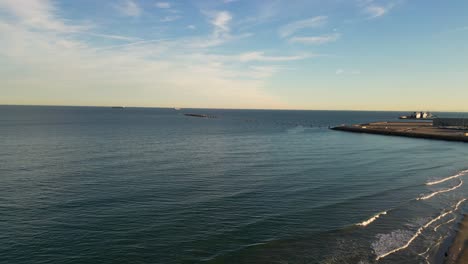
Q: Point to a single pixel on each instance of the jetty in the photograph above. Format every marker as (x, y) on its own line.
(425, 130)
(201, 115)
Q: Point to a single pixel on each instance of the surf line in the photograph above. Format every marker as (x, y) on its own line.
(372, 219)
(448, 222)
(441, 191)
(420, 230)
(426, 258)
(461, 173)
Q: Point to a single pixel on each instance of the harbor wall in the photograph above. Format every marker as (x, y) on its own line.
(450, 122)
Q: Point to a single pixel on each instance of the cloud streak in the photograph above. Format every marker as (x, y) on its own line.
(291, 28)
(163, 5)
(316, 40)
(129, 8)
(375, 10)
(259, 56)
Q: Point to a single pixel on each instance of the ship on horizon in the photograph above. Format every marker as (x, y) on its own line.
(419, 115)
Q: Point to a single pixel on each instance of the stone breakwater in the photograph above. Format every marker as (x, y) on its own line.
(407, 129)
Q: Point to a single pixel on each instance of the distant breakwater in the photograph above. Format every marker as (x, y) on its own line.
(201, 115)
(426, 132)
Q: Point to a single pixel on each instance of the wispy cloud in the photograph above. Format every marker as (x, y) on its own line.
(266, 12)
(374, 9)
(109, 36)
(316, 40)
(163, 5)
(347, 72)
(293, 27)
(132, 44)
(221, 21)
(151, 69)
(221, 30)
(259, 56)
(129, 8)
(170, 18)
(40, 14)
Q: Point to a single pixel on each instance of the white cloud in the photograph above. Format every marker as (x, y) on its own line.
(293, 27)
(193, 27)
(221, 21)
(40, 14)
(316, 40)
(374, 9)
(221, 31)
(129, 8)
(163, 5)
(144, 73)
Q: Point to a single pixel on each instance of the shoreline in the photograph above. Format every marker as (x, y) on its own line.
(458, 250)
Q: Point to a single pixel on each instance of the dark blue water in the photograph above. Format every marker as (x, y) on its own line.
(102, 185)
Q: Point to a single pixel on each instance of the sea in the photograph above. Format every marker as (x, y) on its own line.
(152, 185)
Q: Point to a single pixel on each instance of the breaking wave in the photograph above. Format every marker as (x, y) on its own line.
(372, 219)
(445, 223)
(418, 232)
(461, 173)
(441, 191)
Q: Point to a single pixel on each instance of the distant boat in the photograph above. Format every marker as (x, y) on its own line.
(118, 107)
(419, 115)
(177, 108)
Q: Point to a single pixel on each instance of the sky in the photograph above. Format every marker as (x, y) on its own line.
(266, 54)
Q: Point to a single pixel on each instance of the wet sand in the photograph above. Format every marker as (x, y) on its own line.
(458, 251)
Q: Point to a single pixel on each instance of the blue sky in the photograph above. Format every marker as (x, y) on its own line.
(297, 54)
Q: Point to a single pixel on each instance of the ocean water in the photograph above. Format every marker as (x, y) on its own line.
(143, 185)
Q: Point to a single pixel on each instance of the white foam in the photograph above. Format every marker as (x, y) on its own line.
(425, 254)
(461, 173)
(420, 230)
(372, 219)
(448, 222)
(441, 191)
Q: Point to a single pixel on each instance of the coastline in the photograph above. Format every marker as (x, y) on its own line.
(458, 251)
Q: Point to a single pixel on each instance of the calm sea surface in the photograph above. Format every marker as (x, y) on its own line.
(102, 185)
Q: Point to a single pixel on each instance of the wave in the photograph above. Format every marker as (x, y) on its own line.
(445, 223)
(441, 191)
(461, 173)
(425, 254)
(420, 230)
(372, 219)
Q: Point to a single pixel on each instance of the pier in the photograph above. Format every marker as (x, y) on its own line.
(408, 129)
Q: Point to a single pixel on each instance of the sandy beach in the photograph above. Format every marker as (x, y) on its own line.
(458, 251)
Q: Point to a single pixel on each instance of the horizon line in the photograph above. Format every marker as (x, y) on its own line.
(221, 108)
